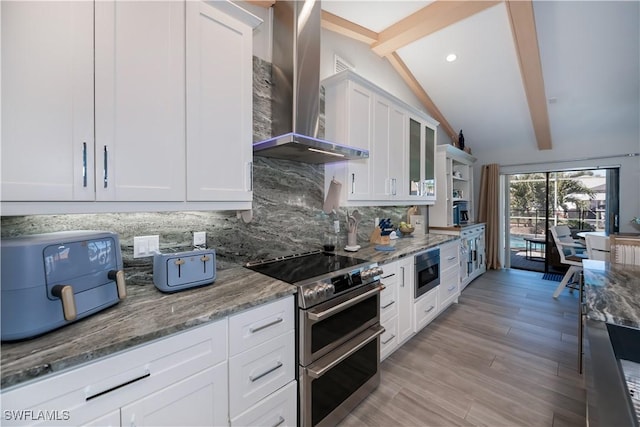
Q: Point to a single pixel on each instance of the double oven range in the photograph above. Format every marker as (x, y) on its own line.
(338, 325)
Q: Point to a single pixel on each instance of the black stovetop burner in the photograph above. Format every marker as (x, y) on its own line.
(296, 268)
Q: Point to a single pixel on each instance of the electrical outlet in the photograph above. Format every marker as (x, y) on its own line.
(199, 238)
(336, 226)
(144, 246)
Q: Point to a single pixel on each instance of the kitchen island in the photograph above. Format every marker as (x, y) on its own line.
(612, 310)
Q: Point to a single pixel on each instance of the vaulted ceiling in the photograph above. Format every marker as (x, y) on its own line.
(534, 74)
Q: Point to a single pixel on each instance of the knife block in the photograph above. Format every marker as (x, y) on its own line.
(377, 238)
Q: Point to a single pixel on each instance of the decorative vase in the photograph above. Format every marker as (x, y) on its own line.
(461, 140)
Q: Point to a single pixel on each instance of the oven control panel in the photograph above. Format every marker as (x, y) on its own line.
(324, 290)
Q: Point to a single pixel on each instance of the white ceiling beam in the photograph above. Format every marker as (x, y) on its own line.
(428, 20)
(347, 28)
(523, 27)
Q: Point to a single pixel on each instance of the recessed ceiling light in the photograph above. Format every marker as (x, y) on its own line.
(451, 57)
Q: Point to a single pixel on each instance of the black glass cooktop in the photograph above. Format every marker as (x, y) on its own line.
(306, 266)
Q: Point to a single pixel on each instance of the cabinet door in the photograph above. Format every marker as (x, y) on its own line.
(360, 112)
(429, 156)
(387, 151)
(219, 106)
(406, 293)
(112, 419)
(140, 92)
(381, 182)
(413, 171)
(47, 101)
(199, 400)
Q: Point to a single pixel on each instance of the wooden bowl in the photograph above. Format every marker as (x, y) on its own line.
(406, 230)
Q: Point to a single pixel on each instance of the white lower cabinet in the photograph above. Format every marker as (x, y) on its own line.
(199, 400)
(401, 315)
(191, 378)
(260, 371)
(406, 292)
(425, 309)
(277, 409)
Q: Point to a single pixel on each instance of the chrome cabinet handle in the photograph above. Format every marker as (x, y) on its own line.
(402, 268)
(430, 309)
(317, 373)
(344, 305)
(265, 326)
(279, 422)
(388, 305)
(393, 186)
(353, 183)
(84, 164)
(105, 167)
(390, 338)
(267, 372)
(451, 258)
(250, 176)
(451, 288)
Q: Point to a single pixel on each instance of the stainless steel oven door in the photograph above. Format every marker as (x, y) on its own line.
(336, 383)
(330, 324)
(427, 272)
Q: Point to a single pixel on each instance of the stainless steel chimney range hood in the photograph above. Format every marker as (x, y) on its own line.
(295, 101)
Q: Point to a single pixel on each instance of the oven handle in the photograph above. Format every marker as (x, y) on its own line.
(317, 373)
(353, 301)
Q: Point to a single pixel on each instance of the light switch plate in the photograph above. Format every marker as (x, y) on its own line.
(199, 238)
(144, 246)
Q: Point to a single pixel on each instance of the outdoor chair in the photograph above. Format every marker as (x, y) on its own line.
(625, 249)
(571, 253)
(597, 247)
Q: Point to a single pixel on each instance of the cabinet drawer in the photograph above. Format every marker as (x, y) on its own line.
(449, 289)
(256, 373)
(389, 302)
(426, 308)
(258, 325)
(277, 409)
(97, 388)
(449, 255)
(389, 339)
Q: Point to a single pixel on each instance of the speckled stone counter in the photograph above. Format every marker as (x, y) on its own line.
(404, 246)
(612, 292)
(145, 314)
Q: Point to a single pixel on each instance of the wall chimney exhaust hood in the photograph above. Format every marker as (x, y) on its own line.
(295, 76)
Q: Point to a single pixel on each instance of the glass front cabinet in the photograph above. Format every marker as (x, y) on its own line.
(421, 160)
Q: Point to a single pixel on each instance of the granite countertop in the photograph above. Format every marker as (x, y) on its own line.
(612, 292)
(457, 228)
(145, 314)
(404, 246)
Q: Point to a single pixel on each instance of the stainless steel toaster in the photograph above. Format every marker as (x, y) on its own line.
(50, 280)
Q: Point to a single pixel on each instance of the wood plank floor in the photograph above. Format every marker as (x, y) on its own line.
(506, 355)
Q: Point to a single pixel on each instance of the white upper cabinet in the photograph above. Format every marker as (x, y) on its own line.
(388, 150)
(47, 101)
(400, 167)
(219, 103)
(140, 100)
(169, 84)
(349, 118)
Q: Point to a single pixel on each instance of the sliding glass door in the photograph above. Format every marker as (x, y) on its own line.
(585, 200)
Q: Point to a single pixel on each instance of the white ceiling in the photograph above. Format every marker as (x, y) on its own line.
(590, 53)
